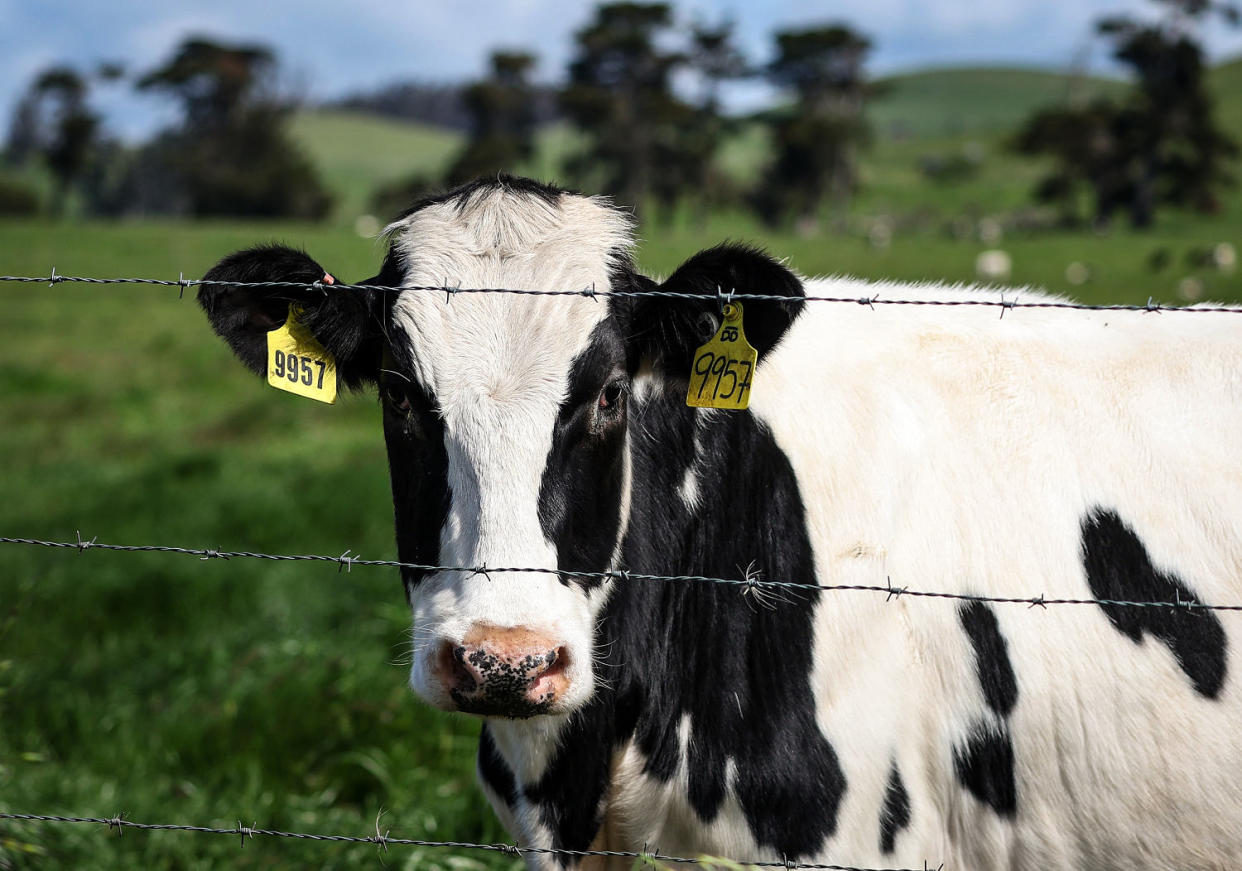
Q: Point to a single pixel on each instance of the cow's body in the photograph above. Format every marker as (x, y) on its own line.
(1064, 455)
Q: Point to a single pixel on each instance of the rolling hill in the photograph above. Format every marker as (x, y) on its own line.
(947, 102)
(933, 112)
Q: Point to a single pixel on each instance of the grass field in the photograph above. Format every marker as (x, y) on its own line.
(178, 690)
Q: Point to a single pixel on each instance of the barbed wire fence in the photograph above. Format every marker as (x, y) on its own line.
(750, 583)
(383, 841)
(1016, 302)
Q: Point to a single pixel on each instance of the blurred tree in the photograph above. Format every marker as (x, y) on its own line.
(231, 154)
(22, 142)
(1161, 146)
(714, 58)
(502, 113)
(817, 141)
(619, 95)
(54, 121)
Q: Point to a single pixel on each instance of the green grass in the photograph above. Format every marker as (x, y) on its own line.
(179, 690)
(188, 691)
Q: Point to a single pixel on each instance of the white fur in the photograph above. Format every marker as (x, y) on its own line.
(948, 449)
(498, 365)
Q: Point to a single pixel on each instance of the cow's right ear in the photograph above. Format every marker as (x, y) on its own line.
(345, 322)
(665, 326)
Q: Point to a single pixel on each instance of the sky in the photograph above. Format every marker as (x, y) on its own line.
(327, 49)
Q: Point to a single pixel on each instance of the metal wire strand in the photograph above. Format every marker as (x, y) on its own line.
(870, 301)
(119, 823)
(748, 582)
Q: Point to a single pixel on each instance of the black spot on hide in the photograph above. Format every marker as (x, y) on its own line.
(984, 765)
(1118, 568)
(895, 814)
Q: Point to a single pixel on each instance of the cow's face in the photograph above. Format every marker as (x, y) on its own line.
(507, 418)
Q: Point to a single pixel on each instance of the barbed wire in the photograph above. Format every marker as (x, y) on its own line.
(182, 283)
(750, 582)
(383, 841)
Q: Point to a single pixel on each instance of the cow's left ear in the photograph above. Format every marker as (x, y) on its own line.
(666, 330)
(345, 322)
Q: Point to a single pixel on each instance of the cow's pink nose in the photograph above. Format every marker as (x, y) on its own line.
(503, 672)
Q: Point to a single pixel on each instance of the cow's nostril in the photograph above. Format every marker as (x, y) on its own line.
(454, 670)
(557, 661)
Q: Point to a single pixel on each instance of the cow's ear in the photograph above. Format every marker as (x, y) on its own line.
(666, 330)
(346, 322)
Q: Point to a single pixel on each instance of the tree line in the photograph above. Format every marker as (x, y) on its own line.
(644, 95)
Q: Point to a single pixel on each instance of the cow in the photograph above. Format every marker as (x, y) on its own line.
(1041, 455)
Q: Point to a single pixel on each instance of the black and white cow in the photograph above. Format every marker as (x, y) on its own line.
(1072, 455)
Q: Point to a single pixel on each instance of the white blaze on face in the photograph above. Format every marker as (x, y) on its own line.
(498, 367)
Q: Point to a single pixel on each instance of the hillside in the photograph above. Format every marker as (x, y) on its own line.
(356, 152)
(947, 102)
(1227, 85)
(933, 115)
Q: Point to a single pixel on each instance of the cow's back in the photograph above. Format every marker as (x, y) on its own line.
(1062, 454)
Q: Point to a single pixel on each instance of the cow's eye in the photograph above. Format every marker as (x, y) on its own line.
(610, 397)
(397, 400)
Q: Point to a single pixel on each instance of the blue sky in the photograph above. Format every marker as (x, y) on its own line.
(330, 48)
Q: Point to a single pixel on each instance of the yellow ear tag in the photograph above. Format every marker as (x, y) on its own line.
(297, 363)
(721, 373)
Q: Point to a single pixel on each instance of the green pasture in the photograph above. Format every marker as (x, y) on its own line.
(207, 692)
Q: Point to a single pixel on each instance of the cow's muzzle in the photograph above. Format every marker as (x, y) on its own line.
(503, 672)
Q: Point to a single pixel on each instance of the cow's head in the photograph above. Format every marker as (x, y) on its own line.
(507, 417)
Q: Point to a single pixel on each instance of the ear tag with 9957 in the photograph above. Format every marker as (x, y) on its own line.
(721, 372)
(297, 363)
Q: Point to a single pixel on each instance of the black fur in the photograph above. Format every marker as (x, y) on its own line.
(739, 666)
(895, 815)
(346, 322)
(494, 771)
(581, 491)
(418, 467)
(984, 765)
(1119, 569)
(984, 761)
(996, 677)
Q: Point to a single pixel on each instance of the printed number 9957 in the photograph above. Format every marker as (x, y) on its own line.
(716, 370)
(294, 369)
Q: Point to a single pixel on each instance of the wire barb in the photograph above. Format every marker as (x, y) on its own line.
(347, 562)
(381, 840)
(84, 545)
(1006, 306)
(893, 592)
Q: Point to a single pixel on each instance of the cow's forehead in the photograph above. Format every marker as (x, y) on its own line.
(502, 348)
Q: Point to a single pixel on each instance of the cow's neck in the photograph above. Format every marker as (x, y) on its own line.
(713, 680)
